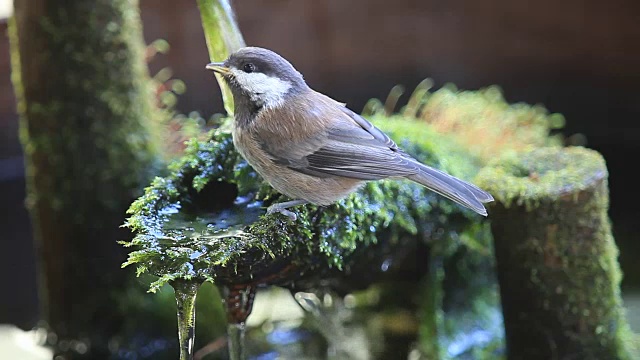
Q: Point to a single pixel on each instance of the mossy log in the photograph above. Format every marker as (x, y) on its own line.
(86, 111)
(205, 220)
(556, 257)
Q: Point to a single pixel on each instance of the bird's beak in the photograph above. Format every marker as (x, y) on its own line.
(219, 68)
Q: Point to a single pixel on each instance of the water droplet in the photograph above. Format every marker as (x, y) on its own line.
(385, 265)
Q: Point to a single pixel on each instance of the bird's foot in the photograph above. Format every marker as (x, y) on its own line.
(282, 208)
(290, 214)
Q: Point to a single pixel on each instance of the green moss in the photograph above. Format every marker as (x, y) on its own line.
(204, 221)
(541, 175)
(481, 121)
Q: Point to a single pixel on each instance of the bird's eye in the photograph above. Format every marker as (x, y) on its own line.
(249, 68)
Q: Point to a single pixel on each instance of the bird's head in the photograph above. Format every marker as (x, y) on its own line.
(259, 77)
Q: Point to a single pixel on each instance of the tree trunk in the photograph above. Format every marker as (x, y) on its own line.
(86, 111)
(556, 257)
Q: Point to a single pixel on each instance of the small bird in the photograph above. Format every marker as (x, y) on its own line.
(313, 148)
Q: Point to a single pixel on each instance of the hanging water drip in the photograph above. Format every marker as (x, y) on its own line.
(185, 292)
(238, 304)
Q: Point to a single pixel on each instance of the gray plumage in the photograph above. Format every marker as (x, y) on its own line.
(311, 147)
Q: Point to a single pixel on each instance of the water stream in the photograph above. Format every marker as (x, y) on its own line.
(238, 303)
(185, 292)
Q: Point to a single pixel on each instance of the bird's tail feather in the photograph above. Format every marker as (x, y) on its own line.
(460, 191)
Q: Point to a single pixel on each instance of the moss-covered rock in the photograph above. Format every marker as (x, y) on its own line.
(205, 220)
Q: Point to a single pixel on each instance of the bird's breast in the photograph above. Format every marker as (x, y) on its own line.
(249, 148)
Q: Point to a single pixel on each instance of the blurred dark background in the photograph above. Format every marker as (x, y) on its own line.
(578, 58)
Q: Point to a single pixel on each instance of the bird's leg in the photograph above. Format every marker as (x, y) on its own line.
(282, 208)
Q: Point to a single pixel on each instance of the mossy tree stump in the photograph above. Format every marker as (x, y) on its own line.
(86, 111)
(556, 257)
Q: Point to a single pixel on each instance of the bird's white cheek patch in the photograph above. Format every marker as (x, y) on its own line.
(265, 90)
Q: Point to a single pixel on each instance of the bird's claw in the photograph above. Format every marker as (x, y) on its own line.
(276, 209)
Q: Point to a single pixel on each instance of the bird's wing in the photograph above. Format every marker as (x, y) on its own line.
(349, 146)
